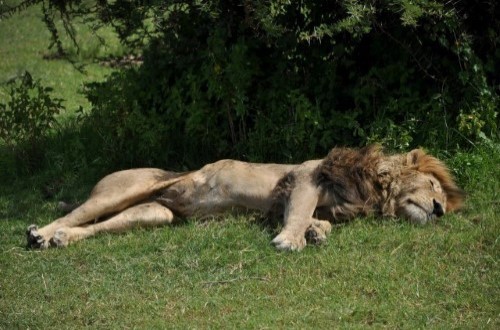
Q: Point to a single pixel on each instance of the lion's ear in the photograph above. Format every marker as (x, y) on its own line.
(414, 157)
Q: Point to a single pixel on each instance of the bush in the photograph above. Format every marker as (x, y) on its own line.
(26, 120)
(286, 80)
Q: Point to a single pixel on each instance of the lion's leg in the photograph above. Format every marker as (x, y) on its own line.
(112, 194)
(318, 231)
(92, 209)
(142, 215)
(298, 217)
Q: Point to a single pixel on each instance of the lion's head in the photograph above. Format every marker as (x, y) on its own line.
(415, 186)
(424, 190)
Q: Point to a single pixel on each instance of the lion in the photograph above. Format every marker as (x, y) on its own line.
(309, 196)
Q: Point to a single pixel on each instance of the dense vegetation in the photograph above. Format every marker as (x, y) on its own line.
(285, 80)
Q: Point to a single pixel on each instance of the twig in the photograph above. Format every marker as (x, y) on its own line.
(396, 249)
(44, 283)
(408, 50)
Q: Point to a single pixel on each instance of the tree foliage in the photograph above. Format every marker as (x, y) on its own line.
(284, 80)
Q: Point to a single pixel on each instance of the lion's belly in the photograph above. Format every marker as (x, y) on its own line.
(196, 202)
(223, 186)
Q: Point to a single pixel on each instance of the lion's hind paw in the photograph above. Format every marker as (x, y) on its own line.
(61, 238)
(34, 239)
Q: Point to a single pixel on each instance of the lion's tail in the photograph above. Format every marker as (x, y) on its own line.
(67, 207)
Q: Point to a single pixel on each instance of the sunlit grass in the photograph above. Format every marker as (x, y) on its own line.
(225, 273)
(24, 42)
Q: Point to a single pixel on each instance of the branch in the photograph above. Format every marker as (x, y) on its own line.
(7, 11)
(408, 50)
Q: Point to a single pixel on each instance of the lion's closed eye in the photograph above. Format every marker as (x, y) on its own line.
(435, 186)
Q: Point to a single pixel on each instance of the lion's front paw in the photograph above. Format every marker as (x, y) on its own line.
(288, 242)
(35, 240)
(318, 231)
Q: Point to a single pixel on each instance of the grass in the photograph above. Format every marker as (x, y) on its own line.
(225, 273)
(24, 42)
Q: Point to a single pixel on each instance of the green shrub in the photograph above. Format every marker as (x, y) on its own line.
(26, 120)
(287, 80)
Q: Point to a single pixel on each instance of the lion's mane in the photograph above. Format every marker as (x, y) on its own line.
(367, 181)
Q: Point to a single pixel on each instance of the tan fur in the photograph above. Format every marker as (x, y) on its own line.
(345, 184)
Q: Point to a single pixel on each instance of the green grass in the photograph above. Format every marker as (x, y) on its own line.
(24, 41)
(225, 273)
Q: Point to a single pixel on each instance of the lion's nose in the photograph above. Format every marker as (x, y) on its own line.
(438, 208)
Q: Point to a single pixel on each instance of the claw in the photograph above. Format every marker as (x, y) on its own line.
(312, 236)
(30, 229)
(35, 240)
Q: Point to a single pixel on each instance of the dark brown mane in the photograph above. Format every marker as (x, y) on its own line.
(351, 176)
(280, 194)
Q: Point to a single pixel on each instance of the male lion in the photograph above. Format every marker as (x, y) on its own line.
(345, 184)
